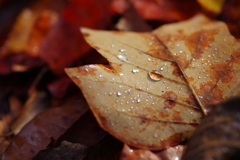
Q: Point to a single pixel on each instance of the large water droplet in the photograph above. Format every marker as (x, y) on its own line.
(155, 75)
(122, 57)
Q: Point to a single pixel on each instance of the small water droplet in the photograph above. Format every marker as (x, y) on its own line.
(162, 68)
(89, 86)
(122, 50)
(154, 75)
(109, 93)
(155, 135)
(138, 100)
(135, 71)
(153, 104)
(181, 51)
(199, 77)
(121, 74)
(100, 75)
(123, 110)
(149, 59)
(122, 57)
(112, 45)
(119, 93)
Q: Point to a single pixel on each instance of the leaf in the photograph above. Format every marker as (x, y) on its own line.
(165, 10)
(208, 56)
(65, 151)
(138, 154)
(47, 126)
(217, 137)
(141, 98)
(214, 6)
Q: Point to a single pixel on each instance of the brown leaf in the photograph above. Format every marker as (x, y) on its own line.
(65, 151)
(137, 154)
(217, 137)
(140, 99)
(37, 102)
(48, 125)
(208, 56)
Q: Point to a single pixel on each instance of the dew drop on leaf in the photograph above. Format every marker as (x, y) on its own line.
(154, 75)
(122, 57)
(135, 71)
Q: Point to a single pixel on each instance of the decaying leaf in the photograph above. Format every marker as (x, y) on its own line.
(208, 56)
(217, 137)
(65, 151)
(144, 99)
(45, 127)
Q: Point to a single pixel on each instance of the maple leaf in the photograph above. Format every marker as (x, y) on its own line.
(142, 97)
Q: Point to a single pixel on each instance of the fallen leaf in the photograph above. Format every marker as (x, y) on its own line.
(165, 10)
(48, 125)
(217, 137)
(230, 14)
(65, 151)
(37, 102)
(208, 56)
(137, 154)
(144, 100)
(131, 20)
(213, 6)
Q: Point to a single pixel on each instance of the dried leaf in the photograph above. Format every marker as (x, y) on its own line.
(48, 125)
(133, 104)
(208, 56)
(217, 137)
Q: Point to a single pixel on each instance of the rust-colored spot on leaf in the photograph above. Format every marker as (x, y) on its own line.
(169, 104)
(87, 70)
(169, 95)
(206, 39)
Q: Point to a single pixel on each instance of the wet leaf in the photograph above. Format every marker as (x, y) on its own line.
(45, 127)
(127, 100)
(208, 56)
(217, 137)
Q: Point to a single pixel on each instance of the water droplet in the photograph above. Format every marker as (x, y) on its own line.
(181, 51)
(122, 57)
(89, 86)
(167, 88)
(109, 93)
(199, 77)
(122, 50)
(154, 75)
(135, 71)
(119, 93)
(121, 74)
(100, 75)
(112, 45)
(138, 100)
(149, 59)
(150, 43)
(155, 135)
(153, 104)
(123, 110)
(162, 68)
